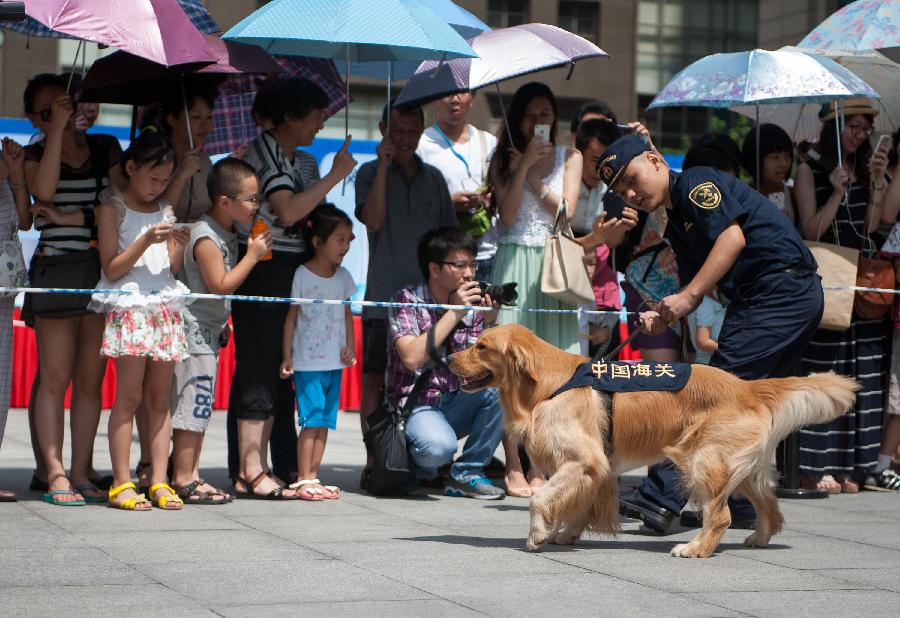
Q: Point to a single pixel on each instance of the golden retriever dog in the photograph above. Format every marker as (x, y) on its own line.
(719, 430)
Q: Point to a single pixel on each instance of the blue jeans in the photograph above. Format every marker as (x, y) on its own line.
(432, 433)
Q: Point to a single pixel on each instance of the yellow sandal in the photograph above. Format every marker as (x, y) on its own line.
(128, 504)
(162, 502)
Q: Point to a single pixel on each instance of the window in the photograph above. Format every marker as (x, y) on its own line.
(506, 13)
(580, 17)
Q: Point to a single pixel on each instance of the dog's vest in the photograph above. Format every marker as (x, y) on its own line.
(618, 377)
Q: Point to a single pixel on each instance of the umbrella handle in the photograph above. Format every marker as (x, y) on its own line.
(503, 114)
(187, 115)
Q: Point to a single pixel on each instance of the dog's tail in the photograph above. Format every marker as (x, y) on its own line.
(817, 398)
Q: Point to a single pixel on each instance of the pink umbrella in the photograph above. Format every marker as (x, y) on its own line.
(158, 30)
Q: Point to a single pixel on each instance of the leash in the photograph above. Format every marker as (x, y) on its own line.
(623, 343)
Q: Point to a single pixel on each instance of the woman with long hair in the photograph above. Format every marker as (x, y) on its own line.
(530, 177)
(839, 200)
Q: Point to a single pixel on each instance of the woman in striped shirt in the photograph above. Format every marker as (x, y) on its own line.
(66, 171)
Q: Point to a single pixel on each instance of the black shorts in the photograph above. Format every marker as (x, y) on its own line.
(80, 269)
(374, 345)
(257, 390)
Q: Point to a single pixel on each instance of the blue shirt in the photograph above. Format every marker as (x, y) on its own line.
(705, 202)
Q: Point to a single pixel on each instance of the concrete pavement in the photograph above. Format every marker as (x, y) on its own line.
(434, 556)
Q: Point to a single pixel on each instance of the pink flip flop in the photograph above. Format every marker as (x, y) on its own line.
(310, 494)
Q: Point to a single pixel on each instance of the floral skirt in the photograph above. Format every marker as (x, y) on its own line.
(154, 331)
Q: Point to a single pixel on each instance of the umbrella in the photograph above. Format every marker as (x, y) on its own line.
(760, 77)
(801, 120)
(192, 8)
(391, 30)
(859, 26)
(125, 78)
(503, 54)
(353, 30)
(158, 30)
(233, 124)
(466, 24)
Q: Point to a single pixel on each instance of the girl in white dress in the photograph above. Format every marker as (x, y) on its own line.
(140, 251)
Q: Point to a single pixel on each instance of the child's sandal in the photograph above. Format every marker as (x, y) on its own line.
(312, 494)
(162, 502)
(331, 492)
(128, 504)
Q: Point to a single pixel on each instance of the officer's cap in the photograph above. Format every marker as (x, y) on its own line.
(618, 155)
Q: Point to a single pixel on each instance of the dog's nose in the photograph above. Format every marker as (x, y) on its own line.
(450, 358)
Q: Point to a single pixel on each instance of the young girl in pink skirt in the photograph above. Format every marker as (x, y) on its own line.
(140, 251)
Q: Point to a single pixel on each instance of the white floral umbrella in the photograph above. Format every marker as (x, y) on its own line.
(801, 120)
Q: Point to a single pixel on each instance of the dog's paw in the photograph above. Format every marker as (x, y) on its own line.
(688, 550)
(564, 538)
(535, 544)
(756, 540)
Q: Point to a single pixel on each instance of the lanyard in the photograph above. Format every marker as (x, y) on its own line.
(452, 149)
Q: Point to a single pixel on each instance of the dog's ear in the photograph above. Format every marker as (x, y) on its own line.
(523, 359)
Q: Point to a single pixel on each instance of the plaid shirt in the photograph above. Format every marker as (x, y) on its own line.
(411, 321)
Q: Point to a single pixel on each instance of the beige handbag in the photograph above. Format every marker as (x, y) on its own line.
(564, 274)
(837, 267)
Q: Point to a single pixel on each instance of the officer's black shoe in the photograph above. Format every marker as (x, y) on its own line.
(694, 519)
(657, 518)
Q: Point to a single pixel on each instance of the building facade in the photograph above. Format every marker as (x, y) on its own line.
(648, 42)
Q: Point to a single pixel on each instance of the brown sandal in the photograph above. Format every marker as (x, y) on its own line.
(275, 494)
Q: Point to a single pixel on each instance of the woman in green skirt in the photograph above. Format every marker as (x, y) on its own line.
(530, 177)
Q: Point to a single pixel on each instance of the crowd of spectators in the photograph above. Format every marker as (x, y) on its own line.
(447, 207)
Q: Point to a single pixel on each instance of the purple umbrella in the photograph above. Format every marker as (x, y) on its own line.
(503, 54)
(158, 30)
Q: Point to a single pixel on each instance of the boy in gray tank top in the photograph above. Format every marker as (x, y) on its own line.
(210, 266)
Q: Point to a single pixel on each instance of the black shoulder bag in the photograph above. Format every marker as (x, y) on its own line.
(385, 437)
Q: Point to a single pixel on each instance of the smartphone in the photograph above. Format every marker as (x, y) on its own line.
(884, 137)
(542, 131)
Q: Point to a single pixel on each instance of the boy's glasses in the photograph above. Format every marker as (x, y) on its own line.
(252, 200)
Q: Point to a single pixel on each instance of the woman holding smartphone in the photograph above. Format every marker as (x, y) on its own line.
(529, 178)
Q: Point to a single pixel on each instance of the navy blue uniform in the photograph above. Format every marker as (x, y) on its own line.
(775, 296)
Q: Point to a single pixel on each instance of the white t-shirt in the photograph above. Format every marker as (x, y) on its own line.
(320, 332)
(470, 175)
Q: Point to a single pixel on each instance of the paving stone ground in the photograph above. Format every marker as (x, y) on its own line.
(434, 556)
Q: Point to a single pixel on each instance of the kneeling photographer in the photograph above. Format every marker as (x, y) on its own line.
(443, 413)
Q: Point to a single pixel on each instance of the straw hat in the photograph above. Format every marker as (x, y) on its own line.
(851, 107)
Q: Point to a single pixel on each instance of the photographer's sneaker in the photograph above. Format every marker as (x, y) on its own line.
(476, 487)
(886, 480)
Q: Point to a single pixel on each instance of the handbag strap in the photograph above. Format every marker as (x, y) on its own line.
(561, 223)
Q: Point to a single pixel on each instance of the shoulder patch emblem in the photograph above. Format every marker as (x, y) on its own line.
(706, 195)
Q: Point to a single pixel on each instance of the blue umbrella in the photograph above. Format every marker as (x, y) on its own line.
(466, 24)
(354, 30)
